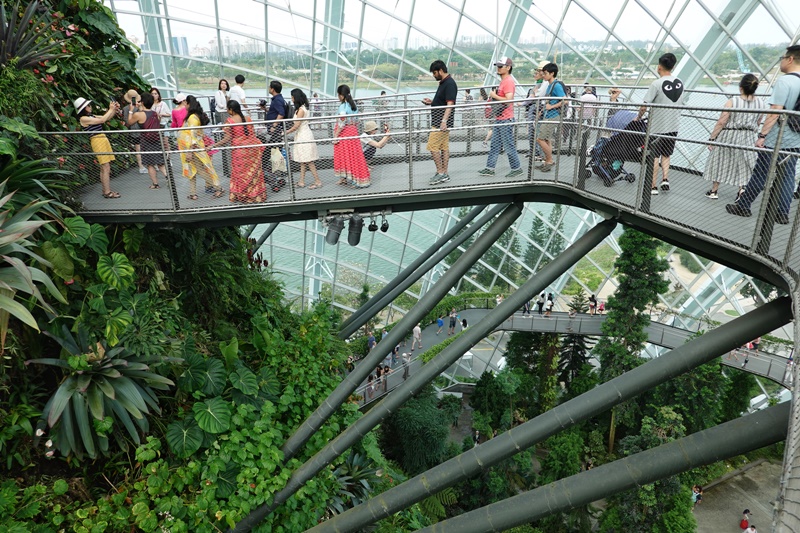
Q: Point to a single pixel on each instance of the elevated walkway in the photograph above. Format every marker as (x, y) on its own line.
(765, 364)
(400, 181)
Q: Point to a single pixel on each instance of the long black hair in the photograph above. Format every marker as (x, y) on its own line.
(299, 98)
(196, 109)
(234, 106)
(344, 91)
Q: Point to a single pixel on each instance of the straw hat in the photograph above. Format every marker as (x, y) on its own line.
(80, 104)
(542, 64)
(370, 125)
(130, 95)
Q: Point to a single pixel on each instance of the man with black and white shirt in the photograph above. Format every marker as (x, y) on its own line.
(666, 90)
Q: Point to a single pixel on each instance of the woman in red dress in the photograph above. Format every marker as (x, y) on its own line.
(247, 174)
(349, 164)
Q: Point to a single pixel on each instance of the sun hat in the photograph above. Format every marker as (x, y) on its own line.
(80, 104)
(504, 62)
(370, 125)
(130, 95)
(180, 97)
(542, 64)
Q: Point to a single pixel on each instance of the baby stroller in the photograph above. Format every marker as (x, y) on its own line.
(607, 157)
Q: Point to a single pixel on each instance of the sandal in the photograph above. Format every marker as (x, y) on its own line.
(111, 194)
(342, 181)
(219, 193)
(315, 186)
(275, 188)
(301, 185)
(155, 186)
(192, 197)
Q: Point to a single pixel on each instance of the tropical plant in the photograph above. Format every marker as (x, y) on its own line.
(32, 180)
(353, 481)
(103, 389)
(27, 36)
(15, 276)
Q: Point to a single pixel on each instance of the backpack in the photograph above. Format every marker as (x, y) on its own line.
(565, 105)
(289, 114)
(793, 121)
(744, 524)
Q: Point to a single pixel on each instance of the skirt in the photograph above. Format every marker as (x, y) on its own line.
(732, 165)
(102, 147)
(348, 159)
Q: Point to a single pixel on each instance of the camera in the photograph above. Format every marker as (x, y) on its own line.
(262, 103)
(386, 128)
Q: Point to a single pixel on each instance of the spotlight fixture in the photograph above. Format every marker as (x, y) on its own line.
(384, 225)
(373, 226)
(335, 227)
(354, 230)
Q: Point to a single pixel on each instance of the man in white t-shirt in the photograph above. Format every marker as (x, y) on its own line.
(237, 91)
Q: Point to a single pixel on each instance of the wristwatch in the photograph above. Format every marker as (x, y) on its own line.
(762, 135)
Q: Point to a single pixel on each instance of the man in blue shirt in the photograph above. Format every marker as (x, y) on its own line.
(549, 130)
(784, 95)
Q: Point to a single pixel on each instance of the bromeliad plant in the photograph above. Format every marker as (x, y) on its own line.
(104, 388)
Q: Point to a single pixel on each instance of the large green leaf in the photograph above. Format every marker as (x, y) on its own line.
(115, 270)
(61, 399)
(268, 384)
(116, 324)
(193, 376)
(213, 415)
(244, 380)
(97, 241)
(82, 421)
(184, 437)
(58, 256)
(18, 310)
(230, 352)
(76, 230)
(132, 237)
(214, 377)
(226, 481)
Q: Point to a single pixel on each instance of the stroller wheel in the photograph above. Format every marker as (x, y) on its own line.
(585, 174)
(630, 177)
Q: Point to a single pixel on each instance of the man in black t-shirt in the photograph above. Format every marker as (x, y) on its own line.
(442, 119)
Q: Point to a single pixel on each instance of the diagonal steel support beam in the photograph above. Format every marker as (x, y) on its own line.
(401, 330)
(448, 356)
(702, 448)
(264, 236)
(362, 370)
(655, 372)
(422, 264)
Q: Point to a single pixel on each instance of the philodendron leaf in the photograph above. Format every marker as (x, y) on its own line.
(213, 415)
(97, 240)
(215, 378)
(76, 230)
(184, 437)
(244, 380)
(115, 270)
(226, 481)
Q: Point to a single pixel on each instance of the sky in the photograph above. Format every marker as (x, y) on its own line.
(288, 23)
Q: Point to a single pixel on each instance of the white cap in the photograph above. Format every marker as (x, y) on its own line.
(504, 62)
(80, 104)
(180, 97)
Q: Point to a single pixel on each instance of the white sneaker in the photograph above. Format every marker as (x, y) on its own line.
(142, 170)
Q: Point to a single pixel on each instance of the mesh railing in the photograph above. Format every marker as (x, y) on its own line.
(599, 150)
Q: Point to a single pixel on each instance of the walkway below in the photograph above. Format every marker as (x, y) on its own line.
(768, 365)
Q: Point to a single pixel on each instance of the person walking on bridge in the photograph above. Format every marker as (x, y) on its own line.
(442, 119)
(503, 136)
(785, 94)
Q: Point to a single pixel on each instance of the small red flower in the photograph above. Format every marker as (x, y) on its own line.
(36, 71)
(69, 281)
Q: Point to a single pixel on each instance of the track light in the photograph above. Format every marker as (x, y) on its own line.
(354, 230)
(384, 225)
(373, 226)
(335, 227)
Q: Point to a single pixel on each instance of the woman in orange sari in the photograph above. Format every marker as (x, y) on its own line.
(247, 175)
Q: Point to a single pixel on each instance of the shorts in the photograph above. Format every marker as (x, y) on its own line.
(438, 141)
(100, 143)
(664, 144)
(548, 131)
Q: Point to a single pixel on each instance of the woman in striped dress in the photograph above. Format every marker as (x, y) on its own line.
(734, 165)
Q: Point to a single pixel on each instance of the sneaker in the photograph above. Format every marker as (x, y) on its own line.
(736, 209)
(514, 173)
(654, 191)
(142, 170)
(712, 195)
(439, 178)
(546, 167)
(486, 172)
(485, 144)
(665, 185)
(538, 159)
(780, 218)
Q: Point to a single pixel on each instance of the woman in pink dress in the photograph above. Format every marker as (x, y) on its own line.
(247, 174)
(349, 164)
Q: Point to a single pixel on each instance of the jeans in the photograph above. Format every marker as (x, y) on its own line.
(503, 136)
(784, 180)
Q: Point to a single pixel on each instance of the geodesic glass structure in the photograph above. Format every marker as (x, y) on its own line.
(387, 46)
